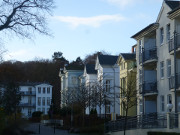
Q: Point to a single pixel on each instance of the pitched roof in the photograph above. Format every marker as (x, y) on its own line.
(107, 59)
(90, 69)
(151, 26)
(173, 4)
(128, 56)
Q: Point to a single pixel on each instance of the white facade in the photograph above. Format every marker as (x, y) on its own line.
(108, 76)
(156, 62)
(35, 97)
(70, 79)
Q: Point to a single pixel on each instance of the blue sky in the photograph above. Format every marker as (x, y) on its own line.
(81, 27)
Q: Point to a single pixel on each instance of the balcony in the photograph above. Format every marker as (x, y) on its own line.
(172, 41)
(172, 81)
(27, 105)
(28, 93)
(148, 56)
(148, 88)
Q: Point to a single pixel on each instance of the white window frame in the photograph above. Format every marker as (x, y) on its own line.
(169, 68)
(168, 32)
(39, 90)
(43, 101)
(161, 36)
(108, 85)
(48, 90)
(162, 69)
(162, 103)
(39, 101)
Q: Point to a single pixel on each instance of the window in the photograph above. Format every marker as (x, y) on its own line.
(162, 69)
(39, 101)
(48, 90)
(123, 86)
(168, 32)
(43, 101)
(74, 80)
(30, 90)
(107, 85)
(39, 90)
(44, 90)
(168, 68)
(140, 46)
(161, 36)
(124, 65)
(162, 103)
(48, 101)
(121, 66)
(29, 100)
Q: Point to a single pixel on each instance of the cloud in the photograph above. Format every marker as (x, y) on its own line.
(95, 21)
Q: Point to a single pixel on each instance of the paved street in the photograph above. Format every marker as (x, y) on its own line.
(46, 130)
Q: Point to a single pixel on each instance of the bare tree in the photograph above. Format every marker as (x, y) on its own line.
(24, 17)
(128, 96)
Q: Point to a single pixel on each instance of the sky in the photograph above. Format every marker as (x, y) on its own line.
(82, 27)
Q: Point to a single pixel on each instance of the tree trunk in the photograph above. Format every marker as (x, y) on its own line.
(125, 122)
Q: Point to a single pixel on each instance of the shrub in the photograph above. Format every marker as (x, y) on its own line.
(37, 114)
(163, 133)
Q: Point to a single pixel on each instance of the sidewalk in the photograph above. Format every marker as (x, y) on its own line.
(46, 130)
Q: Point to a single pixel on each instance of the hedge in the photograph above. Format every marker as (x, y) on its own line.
(163, 133)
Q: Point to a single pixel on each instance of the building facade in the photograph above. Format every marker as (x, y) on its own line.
(127, 63)
(108, 78)
(35, 97)
(158, 61)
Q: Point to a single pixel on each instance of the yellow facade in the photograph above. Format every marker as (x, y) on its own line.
(127, 77)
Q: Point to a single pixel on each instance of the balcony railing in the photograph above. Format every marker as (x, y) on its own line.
(28, 93)
(172, 81)
(148, 87)
(27, 105)
(172, 41)
(147, 55)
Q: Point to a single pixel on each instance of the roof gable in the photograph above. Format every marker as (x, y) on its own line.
(108, 60)
(90, 69)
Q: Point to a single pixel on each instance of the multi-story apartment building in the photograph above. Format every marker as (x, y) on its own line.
(35, 97)
(127, 63)
(158, 61)
(108, 76)
(70, 83)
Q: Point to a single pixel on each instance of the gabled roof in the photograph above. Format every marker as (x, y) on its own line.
(90, 69)
(107, 59)
(74, 67)
(173, 4)
(128, 56)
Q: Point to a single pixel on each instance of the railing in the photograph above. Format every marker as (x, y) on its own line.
(172, 81)
(148, 87)
(149, 54)
(172, 41)
(27, 105)
(173, 120)
(26, 93)
(148, 121)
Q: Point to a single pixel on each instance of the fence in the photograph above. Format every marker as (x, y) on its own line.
(148, 121)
